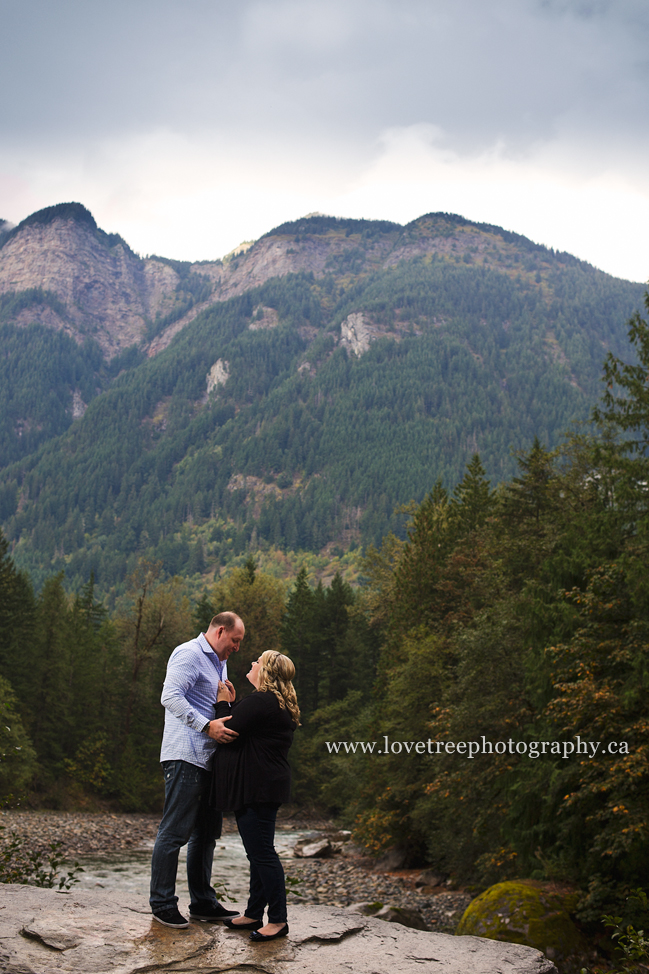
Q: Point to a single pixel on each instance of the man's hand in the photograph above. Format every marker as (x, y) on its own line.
(219, 732)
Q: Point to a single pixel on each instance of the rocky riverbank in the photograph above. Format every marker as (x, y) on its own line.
(343, 882)
(104, 833)
(338, 881)
(80, 833)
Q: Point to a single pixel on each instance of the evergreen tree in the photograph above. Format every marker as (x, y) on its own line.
(472, 500)
(300, 640)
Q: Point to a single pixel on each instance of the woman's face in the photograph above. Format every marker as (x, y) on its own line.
(253, 673)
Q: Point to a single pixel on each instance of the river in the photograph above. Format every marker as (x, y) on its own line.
(130, 872)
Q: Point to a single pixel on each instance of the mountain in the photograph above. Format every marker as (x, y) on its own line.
(291, 395)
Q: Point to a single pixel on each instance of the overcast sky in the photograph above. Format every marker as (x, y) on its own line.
(189, 126)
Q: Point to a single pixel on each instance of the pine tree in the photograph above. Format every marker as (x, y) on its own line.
(472, 500)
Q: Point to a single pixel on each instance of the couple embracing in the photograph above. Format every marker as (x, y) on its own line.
(220, 757)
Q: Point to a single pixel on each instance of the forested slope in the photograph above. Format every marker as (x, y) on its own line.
(303, 411)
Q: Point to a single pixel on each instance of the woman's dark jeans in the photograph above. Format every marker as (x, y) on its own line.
(256, 825)
(187, 817)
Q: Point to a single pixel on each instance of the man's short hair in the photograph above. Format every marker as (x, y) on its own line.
(226, 619)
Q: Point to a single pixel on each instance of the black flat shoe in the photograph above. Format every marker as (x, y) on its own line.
(253, 925)
(262, 937)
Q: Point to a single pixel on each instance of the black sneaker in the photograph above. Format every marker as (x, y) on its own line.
(212, 913)
(171, 918)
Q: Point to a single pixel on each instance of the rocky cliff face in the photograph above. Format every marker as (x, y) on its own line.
(85, 285)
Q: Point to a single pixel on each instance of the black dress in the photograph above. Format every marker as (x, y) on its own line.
(252, 778)
(253, 768)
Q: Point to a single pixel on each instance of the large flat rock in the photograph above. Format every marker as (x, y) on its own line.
(93, 932)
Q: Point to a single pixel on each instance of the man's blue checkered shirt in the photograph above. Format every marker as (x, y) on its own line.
(189, 699)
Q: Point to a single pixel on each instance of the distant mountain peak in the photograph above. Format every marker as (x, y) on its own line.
(60, 211)
(319, 223)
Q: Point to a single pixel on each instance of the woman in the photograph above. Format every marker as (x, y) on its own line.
(252, 778)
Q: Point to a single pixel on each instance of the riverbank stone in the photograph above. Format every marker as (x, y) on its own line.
(91, 932)
(526, 912)
(313, 849)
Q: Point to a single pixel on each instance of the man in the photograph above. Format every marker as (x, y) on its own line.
(189, 739)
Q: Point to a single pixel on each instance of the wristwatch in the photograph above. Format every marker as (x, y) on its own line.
(206, 729)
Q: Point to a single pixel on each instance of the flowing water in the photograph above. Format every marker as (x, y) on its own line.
(130, 872)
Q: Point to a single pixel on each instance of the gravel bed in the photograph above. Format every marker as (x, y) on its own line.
(81, 833)
(85, 833)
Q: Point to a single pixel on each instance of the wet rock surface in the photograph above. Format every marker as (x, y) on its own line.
(42, 932)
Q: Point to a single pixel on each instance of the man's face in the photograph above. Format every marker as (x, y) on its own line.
(227, 641)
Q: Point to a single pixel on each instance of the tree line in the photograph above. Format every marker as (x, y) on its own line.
(516, 615)
(80, 688)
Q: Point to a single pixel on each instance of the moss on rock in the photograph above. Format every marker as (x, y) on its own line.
(525, 912)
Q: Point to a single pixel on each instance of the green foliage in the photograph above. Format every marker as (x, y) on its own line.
(12, 303)
(90, 766)
(632, 944)
(625, 402)
(328, 641)
(17, 756)
(20, 865)
(259, 599)
(40, 370)
(330, 780)
(525, 624)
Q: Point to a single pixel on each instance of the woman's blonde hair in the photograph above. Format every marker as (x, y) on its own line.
(275, 675)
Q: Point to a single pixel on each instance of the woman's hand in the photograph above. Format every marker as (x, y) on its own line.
(226, 692)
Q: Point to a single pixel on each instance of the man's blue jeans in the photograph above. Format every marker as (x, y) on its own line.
(187, 817)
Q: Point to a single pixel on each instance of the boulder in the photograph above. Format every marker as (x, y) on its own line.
(428, 877)
(321, 844)
(393, 914)
(366, 909)
(339, 839)
(397, 914)
(394, 858)
(339, 835)
(525, 912)
(94, 932)
(320, 849)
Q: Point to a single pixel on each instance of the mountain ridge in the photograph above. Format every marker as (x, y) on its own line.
(292, 396)
(109, 293)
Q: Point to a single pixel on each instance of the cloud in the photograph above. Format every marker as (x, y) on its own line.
(192, 124)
